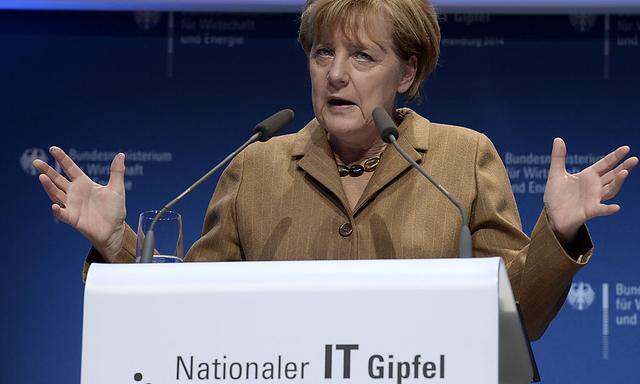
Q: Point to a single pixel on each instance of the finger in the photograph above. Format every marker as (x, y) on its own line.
(68, 166)
(607, 209)
(55, 194)
(605, 164)
(611, 190)
(59, 180)
(60, 213)
(116, 176)
(627, 165)
(558, 156)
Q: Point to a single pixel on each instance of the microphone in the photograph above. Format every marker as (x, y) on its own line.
(269, 126)
(263, 131)
(389, 134)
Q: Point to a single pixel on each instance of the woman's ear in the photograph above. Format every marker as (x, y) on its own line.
(408, 74)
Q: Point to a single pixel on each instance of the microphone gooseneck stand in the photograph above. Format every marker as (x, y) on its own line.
(389, 134)
(263, 132)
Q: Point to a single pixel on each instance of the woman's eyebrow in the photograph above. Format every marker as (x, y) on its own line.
(319, 45)
(361, 46)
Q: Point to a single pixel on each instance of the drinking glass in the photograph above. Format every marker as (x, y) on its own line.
(168, 236)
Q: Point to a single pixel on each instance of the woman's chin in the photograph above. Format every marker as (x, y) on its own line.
(343, 124)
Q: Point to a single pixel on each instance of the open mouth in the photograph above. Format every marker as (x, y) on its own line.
(339, 102)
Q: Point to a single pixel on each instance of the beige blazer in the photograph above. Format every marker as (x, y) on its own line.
(283, 200)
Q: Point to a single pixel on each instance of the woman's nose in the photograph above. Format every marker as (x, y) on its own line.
(338, 75)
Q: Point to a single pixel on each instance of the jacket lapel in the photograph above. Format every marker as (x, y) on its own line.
(315, 157)
(317, 160)
(414, 134)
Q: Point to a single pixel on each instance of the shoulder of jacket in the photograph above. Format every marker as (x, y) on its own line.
(276, 148)
(449, 131)
(460, 139)
(283, 146)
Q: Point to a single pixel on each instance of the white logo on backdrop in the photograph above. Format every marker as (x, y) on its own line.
(96, 164)
(582, 23)
(147, 20)
(31, 154)
(581, 296)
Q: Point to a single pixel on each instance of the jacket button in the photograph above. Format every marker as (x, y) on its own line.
(345, 230)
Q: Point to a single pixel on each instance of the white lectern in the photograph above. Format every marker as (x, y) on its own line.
(366, 321)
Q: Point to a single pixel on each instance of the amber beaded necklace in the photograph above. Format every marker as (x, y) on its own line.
(357, 169)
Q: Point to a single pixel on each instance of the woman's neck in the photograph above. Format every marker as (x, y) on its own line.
(367, 145)
(353, 152)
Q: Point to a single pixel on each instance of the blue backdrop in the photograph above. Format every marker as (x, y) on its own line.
(177, 91)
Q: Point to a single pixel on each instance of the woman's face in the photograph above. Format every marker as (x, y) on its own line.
(351, 78)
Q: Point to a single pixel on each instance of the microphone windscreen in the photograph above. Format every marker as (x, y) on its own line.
(272, 124)
(385, 124)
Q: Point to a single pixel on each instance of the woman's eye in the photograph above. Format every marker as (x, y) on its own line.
(363, 56)
(322, 52)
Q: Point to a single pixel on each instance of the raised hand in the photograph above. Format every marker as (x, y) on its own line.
(572, 199)
(97, 211)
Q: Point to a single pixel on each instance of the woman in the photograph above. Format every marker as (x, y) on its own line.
(333, 190)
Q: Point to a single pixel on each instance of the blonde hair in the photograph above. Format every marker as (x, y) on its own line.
(414, 29)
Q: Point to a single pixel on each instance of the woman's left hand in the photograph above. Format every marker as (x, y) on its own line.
(572, 199)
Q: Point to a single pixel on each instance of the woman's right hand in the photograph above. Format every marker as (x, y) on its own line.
(97, 211)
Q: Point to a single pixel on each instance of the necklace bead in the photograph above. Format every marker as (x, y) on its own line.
(371, 164)
(356, 170)
(343, 170)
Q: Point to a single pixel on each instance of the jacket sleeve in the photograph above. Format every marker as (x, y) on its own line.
(540, 268)
(126, 255)
(220, 240)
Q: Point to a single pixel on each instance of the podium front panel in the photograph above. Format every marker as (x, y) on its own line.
(386, 321)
